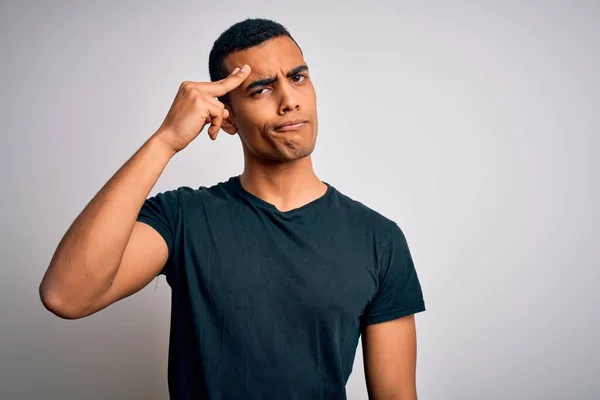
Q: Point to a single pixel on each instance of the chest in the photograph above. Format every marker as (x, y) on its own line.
(289, 272)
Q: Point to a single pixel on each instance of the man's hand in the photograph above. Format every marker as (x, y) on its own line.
(196, 105)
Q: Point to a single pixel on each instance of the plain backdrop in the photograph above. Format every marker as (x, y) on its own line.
(473, 125)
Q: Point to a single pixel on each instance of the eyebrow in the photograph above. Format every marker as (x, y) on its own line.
(267, 81)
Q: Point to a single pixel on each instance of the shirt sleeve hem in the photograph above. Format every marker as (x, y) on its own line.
(157, 227)
(389, 315)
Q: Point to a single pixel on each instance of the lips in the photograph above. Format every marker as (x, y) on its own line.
(291, 125)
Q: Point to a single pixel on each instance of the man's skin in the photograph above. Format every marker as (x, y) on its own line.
(106, 255)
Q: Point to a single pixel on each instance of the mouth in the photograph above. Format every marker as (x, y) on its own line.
(291, 125)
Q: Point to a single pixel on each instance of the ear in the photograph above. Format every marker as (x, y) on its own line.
(227, 124)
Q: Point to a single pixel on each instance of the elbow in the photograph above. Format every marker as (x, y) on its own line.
(54, 302)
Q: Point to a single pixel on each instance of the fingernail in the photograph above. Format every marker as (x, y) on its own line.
(235, 71)
(245, 68)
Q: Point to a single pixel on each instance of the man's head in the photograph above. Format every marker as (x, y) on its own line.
(277, 91)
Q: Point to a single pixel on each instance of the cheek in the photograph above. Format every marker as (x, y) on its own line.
(260, 115)
(311, 96)
(252, 122)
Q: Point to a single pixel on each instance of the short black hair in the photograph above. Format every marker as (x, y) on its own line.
(238, 37)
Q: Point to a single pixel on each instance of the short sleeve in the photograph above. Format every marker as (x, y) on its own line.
(160, 212)
(399, 293)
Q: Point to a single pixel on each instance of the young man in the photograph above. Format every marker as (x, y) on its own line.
(274, 273)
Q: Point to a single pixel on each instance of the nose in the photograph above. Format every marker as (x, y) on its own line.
(289, 99)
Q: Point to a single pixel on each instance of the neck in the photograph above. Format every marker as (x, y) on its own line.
(286, 185)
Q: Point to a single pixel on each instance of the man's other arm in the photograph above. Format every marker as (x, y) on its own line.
(389, 357)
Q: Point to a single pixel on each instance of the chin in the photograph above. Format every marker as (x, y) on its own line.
(294, 150)
(295, 146)
(283, 154)
(278, 148)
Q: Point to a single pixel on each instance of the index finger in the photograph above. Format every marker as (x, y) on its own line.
(226, 85)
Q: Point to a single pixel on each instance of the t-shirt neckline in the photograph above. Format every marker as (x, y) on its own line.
(260, 202)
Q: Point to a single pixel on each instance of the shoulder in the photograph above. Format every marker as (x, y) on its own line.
(365, 216)
(186, 196)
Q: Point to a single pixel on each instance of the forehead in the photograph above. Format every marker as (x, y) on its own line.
(266, 59)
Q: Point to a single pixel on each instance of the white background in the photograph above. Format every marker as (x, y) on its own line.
(474, 125)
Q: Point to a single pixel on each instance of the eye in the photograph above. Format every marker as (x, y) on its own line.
(258, 92)
(299, 76)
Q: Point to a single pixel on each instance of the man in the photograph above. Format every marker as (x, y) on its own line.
(274, 273)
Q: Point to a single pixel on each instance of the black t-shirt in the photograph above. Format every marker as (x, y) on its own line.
(269, 304)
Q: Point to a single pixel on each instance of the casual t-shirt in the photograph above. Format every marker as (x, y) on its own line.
(269, 304)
